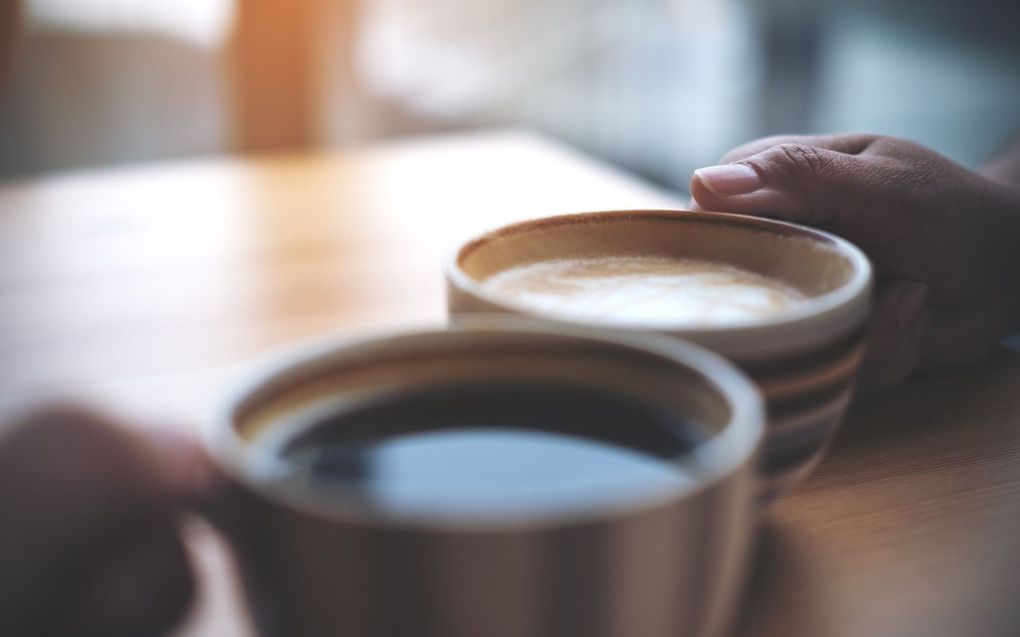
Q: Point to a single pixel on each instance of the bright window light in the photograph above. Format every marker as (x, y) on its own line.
(203, 23)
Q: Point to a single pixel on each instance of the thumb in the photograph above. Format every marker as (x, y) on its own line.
(792, 181)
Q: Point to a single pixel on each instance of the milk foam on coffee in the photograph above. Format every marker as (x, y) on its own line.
(645, 290)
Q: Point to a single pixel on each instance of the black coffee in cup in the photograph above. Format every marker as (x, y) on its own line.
(487, 448)
(496, 478)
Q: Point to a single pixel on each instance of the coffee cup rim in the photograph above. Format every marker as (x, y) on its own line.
(846, 306)
(725, 452)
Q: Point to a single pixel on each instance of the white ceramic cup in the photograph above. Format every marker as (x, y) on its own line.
(804, 360)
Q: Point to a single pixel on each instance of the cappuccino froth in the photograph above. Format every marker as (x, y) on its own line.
(645, 291)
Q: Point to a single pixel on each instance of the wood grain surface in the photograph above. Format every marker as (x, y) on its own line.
(147, 289)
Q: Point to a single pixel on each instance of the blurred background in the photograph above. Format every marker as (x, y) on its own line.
(658, 87)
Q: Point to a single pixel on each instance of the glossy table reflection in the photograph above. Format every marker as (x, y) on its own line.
(146, 288)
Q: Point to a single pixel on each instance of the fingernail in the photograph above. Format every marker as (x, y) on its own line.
(729, 179)
(912, 297)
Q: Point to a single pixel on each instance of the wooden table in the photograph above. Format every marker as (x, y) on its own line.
(146, 288)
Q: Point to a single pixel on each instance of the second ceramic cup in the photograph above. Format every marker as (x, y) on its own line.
(379, 487)
(804, 359)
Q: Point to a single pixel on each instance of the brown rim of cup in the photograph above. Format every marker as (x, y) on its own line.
(738, 442)
(833, 301)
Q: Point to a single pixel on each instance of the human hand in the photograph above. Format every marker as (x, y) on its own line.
(944, 240)
(10, 27)
(89, 542)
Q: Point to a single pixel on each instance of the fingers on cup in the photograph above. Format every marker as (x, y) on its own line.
(89, 493)
(848, 143)
(896, 338)
(806, 180)
(140, 588)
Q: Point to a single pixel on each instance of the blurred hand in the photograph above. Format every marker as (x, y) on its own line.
(10, 26)
(88, 538)
(945, 241)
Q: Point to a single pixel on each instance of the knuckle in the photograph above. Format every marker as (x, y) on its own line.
(801, 160)
(887, 141)
(753, 148)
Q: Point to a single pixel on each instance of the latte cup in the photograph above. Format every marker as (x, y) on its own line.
(666, 559)
(804, 358)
